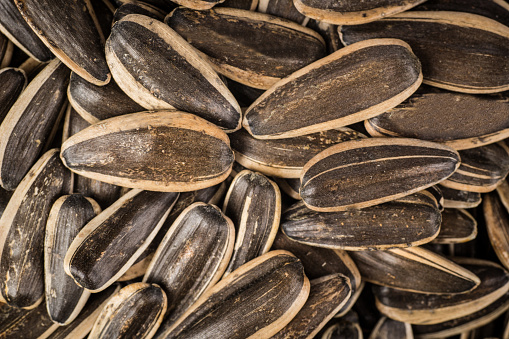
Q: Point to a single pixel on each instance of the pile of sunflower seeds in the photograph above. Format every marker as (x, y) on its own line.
(254, 169)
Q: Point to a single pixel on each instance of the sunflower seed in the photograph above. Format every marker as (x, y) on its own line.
(111, 242)
(198, 4)
(285, 158)
(283, 9)
(352, 12)
(13, 82)
(158, 69)
(257, 300)
(138, 8)
(64, 299)
(457, 226)
(423, 309)
(159, 151)
(335, 179)
(326, 297)
(460, 51)
(439, 197)
(387, 328)
(16, 323)
(414, 269)
(252, 48)
(136, 311)
(241, 4)
(496, 216)
(22, 231)
(312, 99)
(31, 122)
(343, 329)
(192, 257)
(460, 199)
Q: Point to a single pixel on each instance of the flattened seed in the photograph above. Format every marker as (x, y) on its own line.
(16, 323)
(158, 69)
(256, 301)
(13, 26)
(138, 8)
(414, 269)
(417, 308)
(460, 325)
(64, 299)
(192, 257)
(136, 311)
(460, 199)
(481, 170)
(313, 98)
(111, 242)
(457, 226)
(285, 158)
(13, 82)
(283, 9)
(388, 328)
(496, 216)
(22, 228)
(160, 151)
(29, 124)
(408, 221)
(326, 297)
(253, 203)
(252, 48)
(335, 179)
(95, 103)
(80, 327)
(71, 31)
(417, 117)
(460, 51)
(352, 12)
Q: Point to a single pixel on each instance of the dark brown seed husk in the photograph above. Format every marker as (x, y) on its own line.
(136, 311)
(352, 12)
(481, 170)
(407, 221)
(158, 69)
(283, 9)
(285, 158)
(253, 203)
(249, 5)
(22, 229)
(335, 179)
(80, 327)
(13, 82)
(258, 299)
(343, 329)
(494, 9)
(192, 257)
(138, 8)
(458, 226)
(460, 325)
(313, 98)
(418, 116)
(30, 123)
(95, 103)
(17, 323)
(496, 216)
(387, 328)
(439, 197)
(460, 51)
(252, 48)
(111, 242)
(64, 299)
(289, 186)
(460, 199)
(423, 309)
(326, 297)
(160, 151)
(414, 269)
(71, 31)
(13, 26)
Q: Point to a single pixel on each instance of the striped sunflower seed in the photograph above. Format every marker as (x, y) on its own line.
(414, 269)
(158, 69)
(13, 82)
(457, 226)
(257, 300)
(388, 328)
(409, 221)
(496, 216)
(460, 199)
(352, 12)
(18, 323)
(64, 299)
(312, 99)
(110, 243)
(252, 48)
(138, 8)
(454, 43)
(335, 179)
(136, 311)
(160, 151)
(22, 229)
(283, 9)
